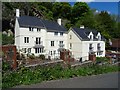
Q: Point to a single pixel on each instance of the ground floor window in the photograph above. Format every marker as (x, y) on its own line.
(24, 50)
(38, 50)
(29, 50)
(99, 53)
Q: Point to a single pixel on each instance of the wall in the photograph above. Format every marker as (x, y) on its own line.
(81, 48)
(76, 45)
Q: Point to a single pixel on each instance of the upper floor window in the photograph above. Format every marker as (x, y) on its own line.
(26, 39)
(61, 33)
(38, 40)
(90, 47)
(30, 29)
(55, 33)
(61, 44)
(38, 29)
(98, 46)
(70, 36)
(70, 45)
(52, 43)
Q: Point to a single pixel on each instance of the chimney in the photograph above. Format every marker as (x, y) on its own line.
(17, 13)
(82, 26)
(59, 21)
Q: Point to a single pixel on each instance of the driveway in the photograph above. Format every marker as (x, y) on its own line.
(109, 80)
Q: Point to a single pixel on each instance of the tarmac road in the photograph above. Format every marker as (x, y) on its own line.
(109, 80)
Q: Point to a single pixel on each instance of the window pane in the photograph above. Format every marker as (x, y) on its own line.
(61, 34)
(56, 33)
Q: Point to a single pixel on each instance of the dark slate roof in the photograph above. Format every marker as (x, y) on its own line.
(53, 26)
(30, 21)
(83, 33)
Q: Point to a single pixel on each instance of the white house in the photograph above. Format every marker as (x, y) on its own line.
(83, 41)
(38, 36)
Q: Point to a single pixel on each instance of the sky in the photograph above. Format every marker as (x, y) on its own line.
(111, 7)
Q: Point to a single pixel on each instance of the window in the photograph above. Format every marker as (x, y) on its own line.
(38, 29)
(90, 37)
(70, 36)
(70, 45)
(38, 50)
(38, 40)
(98, 46)
(61, 44)
(90, 47)
(54, 52)
(25, 50)
(55, 33)
(52, 43)
(61, 33)
(51, 52)
(30, 29)
(26, 39)
(29, 50)
(99, 37)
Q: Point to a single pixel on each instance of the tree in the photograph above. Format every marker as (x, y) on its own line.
(80, 9)
(7, 39)
(61, 10)
(105, 24)
(87, 20)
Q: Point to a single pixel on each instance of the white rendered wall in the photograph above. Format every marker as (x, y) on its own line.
(81, 48)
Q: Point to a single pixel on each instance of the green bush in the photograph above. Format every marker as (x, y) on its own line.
(40, 73)
(31, 56)
(42, 57)
(102, 59)
(5, 66)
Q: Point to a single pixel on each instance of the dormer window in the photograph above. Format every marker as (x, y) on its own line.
(61, 33)
(99, 36)
(38, 29)
(91, 36)
(30, 29)
(55, 33)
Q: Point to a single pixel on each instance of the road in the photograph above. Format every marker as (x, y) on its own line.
(109, 80)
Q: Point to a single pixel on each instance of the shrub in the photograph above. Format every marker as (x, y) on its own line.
(5, 66)
(40, 73)
(101, 59)
(31, 56)
(42, 57)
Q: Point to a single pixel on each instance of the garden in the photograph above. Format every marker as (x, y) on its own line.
(37, 74)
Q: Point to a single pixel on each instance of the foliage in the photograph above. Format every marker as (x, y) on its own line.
(5, 66)
(31, 56)
(42, 57)
(102, 59)
(40, 73)
(7, 39)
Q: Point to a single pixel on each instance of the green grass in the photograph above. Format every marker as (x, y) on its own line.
(39, 74)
